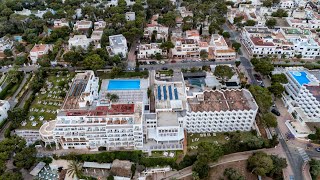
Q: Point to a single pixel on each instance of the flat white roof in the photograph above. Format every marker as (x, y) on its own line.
(35, 171)
(97, 165)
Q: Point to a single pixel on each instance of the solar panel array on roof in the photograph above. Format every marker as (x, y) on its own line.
(176, 93)
(159, 93)
(164, 92)
(170, 93)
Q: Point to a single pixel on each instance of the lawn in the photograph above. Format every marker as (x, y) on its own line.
(48, 100)
(220, 138)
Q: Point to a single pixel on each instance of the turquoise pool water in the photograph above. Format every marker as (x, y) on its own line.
(300, 76)
(124, 84)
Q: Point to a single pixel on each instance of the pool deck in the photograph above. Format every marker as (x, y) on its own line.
(301, 77)
(126, 95)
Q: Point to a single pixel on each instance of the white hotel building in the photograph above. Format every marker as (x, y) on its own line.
(88, 120)
(220, 111)
(303, 97)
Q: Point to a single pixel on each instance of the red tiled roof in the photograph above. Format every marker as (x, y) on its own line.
(104, 110)
(259, 42)
(38, 48)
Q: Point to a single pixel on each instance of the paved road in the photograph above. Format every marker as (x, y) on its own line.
(225, 159)
(24, 68)
(180, 65)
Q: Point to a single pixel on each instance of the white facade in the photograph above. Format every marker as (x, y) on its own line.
(162, 32)
(79, 41)
(302, 97)
(148, 50)
(4, 108)
(130, 16)
(31, 136)
(99, 25)
(81, 124)
(118, 45)
(38, 51)
(287, 4)
(5, 43)
(221, 111)
(221, 50)
(58, 23)
(83, 24)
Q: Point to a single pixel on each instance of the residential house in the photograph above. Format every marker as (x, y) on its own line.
(118, 45)
(148, 50)
(5, 43)
(220, 49)
(38, 51)
(58, 23)
(130, 16)
(79, 41)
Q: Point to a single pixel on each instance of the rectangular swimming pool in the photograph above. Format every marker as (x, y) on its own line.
(130, 84)
(300, 76)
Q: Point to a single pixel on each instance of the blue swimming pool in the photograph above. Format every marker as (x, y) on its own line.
(124, 84)
(300, 76)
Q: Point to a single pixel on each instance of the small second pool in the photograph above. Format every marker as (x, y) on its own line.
(301, 77)
(130, 84)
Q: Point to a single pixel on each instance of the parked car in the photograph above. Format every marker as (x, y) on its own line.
(164, 68)
(258, 77)
(276, 112)
(317, 149)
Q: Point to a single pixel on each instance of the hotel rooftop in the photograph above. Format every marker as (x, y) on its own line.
(228, 100)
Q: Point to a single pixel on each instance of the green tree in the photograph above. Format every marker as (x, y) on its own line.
(270, 120)
(279, 78)
(236, 46)
(226, 34)
(115, 71)
(73, 57)
(167, 46)
(26, 158)
(74, 169)
(20, 60)
(267, 3)
(238, 63)
(232, 174)
(168, 19)
(263, 65)
(20, 47)
(250, 23)
(110, 177)
(210, 151)
(203, 54)
(8, 52)
(224, 72)
(270, 23)
(262, 97)
(260, 163)
(278, 165)
(13, 76)
(201, 168)
(11, 175)
(280, 13)
(277, 89)
(314, 168)
(94, 62)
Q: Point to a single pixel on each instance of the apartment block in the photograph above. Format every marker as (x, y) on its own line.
(88, 120)
(4, 108)
(220, 111)
(302, 94)
(220, 49)
(148, 50)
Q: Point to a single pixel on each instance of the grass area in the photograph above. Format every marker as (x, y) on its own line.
(166, 72)
(49, 99)
(107, 75)
(220, 138)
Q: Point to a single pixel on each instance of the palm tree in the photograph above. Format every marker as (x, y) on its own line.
(74, 168)
(114, 97)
